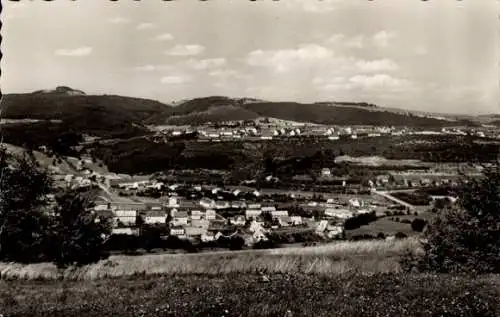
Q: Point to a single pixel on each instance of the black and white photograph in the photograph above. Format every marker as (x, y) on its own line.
(244, 158)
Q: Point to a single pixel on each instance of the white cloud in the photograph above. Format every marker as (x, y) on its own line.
(118, 20)
(314, 6)
(223, 73)
(206, 63)
(185, 50)
(376, 65)
(378, 81)
(76, 52)
(164, 37)
(336, 38)
(284, 60)
(145, 26)
(356, 42)
(175, 80)
(382, 38)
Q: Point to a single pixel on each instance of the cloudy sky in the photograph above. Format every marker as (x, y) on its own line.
(439, 56)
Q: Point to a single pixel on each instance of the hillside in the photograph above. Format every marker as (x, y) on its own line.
(216, 108)
(93, 114)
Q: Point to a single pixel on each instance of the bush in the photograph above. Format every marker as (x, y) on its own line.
(418, 225)
(400, 235)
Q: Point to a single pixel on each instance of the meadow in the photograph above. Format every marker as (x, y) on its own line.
(360, 278)
(375, 256)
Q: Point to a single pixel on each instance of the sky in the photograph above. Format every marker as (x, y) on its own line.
(436, 56)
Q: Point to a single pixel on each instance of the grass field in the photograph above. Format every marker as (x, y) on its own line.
(334, 258)
(252, 295)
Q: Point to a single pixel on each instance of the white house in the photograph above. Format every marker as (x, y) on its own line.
(206, 237)
(252, 213)
(202, 223)
(173, 202)
(127, 217)
(256, 226)
(284, 221)
(355, 202)
(254, 206)
(268, 208)
(296, 220)
(279, 213)
(238, 220)
(180, 218)
(210, 214)
(207, 203)
(222, 205)
(129, 231)
(326, 172)
(155, 217)
(177, 231)
(196, 214)
(338, 213)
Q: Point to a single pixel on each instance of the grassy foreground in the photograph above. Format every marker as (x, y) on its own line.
(250, 295)
(342, 257)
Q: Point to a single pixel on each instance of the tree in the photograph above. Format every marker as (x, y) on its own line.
(23, 205)
(465, 237)
(418, 224)
(78, 234)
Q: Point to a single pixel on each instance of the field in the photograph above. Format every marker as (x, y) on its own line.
(254, 295)
(339, 257)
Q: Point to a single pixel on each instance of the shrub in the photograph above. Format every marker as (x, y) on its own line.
(400, 235)
(418, 224)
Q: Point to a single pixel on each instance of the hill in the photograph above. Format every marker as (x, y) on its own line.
(216, 109)
(92, 114)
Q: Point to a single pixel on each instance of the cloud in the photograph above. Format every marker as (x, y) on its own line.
(314, 6)
(164, 37)
(223, 73)
(185, 50)
(118, 20)
(336, 38)
(356, 42)
(378, 81)
(376, 65)
(76, 52)
(382, 38)
(206, 63)
(145, 26)
(287, 59)
(175, 80)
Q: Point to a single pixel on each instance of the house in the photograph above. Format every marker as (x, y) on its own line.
(268, 209)
(99, 207)
(210, 214)
(194, 231)
(238, 204)
(129, 206)
(326, 172)
(259, 236)
(256, 193)
(354, 202)
(296, 220)
(279, 213)
(155, 217)
(322, 226)
(206, 237)
(238, 220)
(177, 231)
(173, 202)
(338, 213)
(222, 205)
(285, 221)
(207, 203)
(256, 226)
(128, 231)
(252, 213)
(196, 214)
(254, 206)
(126, 217)
(180, 218)
(200, 223)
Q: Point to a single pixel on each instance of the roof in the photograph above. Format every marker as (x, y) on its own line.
(155, 213)
(181, 214)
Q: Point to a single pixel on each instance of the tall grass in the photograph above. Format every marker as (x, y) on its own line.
(335, 258)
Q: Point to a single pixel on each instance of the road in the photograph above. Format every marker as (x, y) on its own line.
(392, 198)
